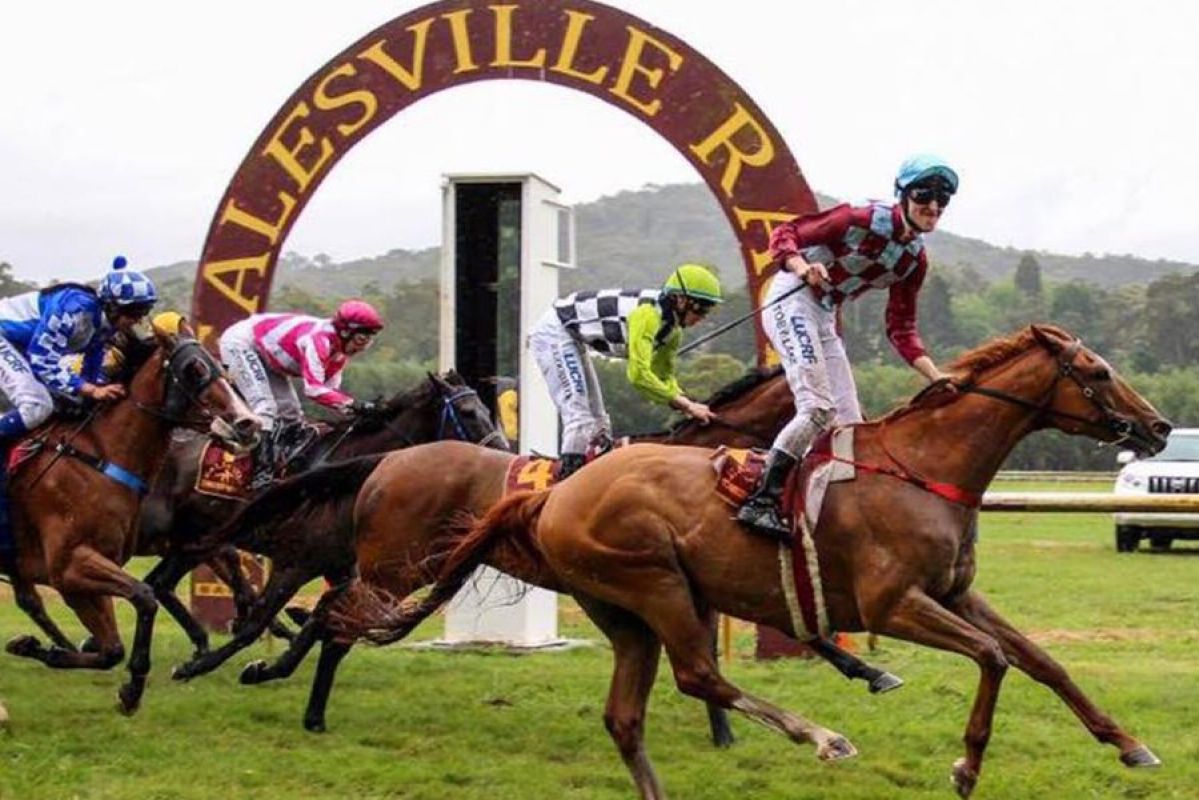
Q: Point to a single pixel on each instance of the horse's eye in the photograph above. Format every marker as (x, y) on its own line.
(1102, 374)
(197, 371)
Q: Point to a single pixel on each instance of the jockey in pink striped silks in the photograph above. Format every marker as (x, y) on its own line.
(265, 351)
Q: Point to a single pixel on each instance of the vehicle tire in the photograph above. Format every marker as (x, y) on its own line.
(1128, 539)
(1161, 543)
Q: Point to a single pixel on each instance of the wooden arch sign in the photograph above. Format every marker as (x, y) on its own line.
(579, 44)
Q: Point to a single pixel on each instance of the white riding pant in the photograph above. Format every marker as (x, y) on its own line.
(804, 334)
(573, 384)
(269, 394)
(28, 395)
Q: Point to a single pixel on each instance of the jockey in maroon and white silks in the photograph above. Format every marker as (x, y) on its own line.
(825, 259)
(265, 351)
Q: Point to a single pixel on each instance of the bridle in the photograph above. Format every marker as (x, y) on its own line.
(1109, 420)
(449, 419)
(181, 394)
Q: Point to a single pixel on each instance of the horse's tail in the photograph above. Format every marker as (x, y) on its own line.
(329, 490)
(371, 614)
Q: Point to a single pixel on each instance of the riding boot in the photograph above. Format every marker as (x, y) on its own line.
(762, 511)
(264, 461)
(569, 463)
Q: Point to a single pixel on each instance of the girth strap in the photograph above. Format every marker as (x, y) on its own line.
(114, 471)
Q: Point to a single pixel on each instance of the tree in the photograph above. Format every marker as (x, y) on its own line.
(10, 285)
(1028, 276)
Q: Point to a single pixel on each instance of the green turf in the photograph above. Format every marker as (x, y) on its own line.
(408, 724)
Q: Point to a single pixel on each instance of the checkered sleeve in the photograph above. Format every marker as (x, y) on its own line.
(48, 348)
(92, 368)
(824, 228)
(901, 313)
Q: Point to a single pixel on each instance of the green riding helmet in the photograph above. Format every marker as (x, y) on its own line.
(695, 282)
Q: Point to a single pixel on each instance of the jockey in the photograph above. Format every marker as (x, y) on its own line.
(644, 327)
(265, 351)
(825, 259)
(38, 330)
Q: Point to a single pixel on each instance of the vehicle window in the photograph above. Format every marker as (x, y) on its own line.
(1179, 448)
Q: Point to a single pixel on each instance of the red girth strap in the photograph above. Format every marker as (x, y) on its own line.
(948, 491)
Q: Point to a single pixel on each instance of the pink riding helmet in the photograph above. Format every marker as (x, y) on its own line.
(355, 316)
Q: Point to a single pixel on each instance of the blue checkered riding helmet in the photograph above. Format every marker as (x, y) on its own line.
(126, 287)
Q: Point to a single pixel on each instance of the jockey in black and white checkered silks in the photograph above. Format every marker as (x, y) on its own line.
(642, 326)
(38, 331)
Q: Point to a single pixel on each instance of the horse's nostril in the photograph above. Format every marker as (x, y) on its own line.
(1162, 428)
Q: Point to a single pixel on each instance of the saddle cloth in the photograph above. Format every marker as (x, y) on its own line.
(223, 472)
(738, 472)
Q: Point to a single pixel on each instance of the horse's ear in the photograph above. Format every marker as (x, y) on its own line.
(1049, 338)
(168, 326)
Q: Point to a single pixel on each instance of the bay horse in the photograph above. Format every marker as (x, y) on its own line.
(175, 516)
(400, 515)
(644, 543)
(308, 543)
(75, 501)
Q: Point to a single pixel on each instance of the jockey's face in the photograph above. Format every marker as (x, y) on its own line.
(692, 312)
(924, 203)
(356, 342)
(125, 318)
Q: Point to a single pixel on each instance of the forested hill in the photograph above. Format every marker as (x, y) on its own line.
(625, 238)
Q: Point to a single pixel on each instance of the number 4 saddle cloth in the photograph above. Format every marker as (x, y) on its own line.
(224, 472)
(738, 472)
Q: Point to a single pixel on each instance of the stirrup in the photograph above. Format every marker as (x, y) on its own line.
(764, 519)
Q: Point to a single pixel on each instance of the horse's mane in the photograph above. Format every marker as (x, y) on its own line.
(402, 399)
(742, 386)
(971, 363)
(132, 351)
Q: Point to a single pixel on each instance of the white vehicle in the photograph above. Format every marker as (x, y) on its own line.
(1175, 470)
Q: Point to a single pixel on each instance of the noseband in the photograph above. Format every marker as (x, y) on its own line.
(450, 419)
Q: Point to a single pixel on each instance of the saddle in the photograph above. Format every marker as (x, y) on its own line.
(228, 473)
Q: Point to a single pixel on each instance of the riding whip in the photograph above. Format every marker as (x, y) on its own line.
(729, 325)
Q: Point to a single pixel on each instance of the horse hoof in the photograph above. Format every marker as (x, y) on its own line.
(89, 645)
(885, 683)
(128, 700)
(252, 673)
(181, 673)
(24, 645)
(298, 614)
(836, 749)
(1140, 756)
(724, 740)
(314, 725)
(963, 778)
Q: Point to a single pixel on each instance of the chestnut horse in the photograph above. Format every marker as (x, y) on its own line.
(642, 540)
(401, 512)
(76, 501)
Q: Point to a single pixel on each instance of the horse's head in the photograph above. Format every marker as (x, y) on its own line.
(462, 415)
(195, 392)
(1089, 397)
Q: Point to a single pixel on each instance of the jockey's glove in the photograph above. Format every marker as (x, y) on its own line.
(364, 408)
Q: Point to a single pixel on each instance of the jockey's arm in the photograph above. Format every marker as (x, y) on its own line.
(319, 386)
(649, 383)
(48, 350)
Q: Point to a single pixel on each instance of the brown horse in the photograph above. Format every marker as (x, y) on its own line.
(643, 542)
(76, 501)
(402, 508)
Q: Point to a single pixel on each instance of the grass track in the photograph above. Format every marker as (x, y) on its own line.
(407, 724)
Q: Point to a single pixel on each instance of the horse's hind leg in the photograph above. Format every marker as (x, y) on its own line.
(670, 611)
(332, 653)
(1041, 667)
(259, 671)
(635, 653)
(718, 718)
(96, 614)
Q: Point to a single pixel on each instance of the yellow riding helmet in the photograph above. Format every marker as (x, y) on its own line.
(696, 282)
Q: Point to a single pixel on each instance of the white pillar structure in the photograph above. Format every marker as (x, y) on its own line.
(504, 239)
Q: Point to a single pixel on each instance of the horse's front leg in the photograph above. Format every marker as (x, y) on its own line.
(105, 651)
(1041, 667)
(918, 618)
(29, 601)
(164, 579)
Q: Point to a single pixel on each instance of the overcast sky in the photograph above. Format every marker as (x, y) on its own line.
(1074, 125)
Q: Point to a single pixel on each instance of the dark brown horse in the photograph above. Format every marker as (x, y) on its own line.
(306, 544)
(175, 516)
(647, 547)
(75, 503)
(401, 513)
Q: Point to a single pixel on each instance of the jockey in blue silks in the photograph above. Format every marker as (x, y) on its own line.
(39, 330)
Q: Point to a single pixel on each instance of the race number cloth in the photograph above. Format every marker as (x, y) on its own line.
(224, 473)
(530, 474)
